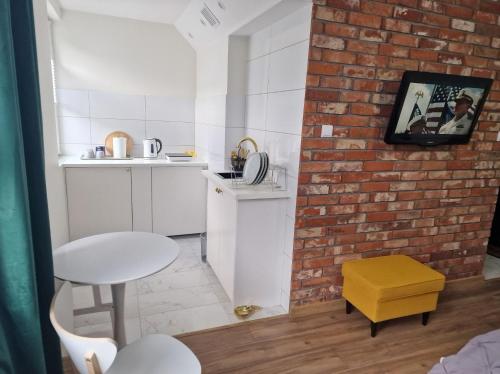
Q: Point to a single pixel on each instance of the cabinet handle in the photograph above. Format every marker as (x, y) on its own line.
(218, 190)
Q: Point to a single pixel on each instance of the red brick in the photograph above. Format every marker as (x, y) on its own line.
(372, 60)
(359, 72)
(454, 35)
(365, 20)
(324, 68)
(354, 96)
(344, 4)
(332, 108)
(432, 6)
(397, 25)
(336, 82)
(340, 30)
(404, 39)
(367, 85)
(325, 41)
(399, 63)
(395, 51)
(484, 17)
(364, 109)
(423, 55)
(463, 48)
(436, 20)
(318, 94)
(421, 30)
(330, 14)
(362, 46)
(407, 14)
(373, 35)
(458, 11)
(433, 44)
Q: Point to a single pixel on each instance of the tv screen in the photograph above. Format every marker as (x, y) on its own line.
(433, 109)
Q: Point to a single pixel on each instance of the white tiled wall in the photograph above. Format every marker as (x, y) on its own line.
(86, 117)
(277, 67)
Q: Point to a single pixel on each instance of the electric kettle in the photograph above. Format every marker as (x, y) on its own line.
(152, 147)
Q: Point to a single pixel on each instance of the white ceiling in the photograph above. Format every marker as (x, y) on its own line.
(164, 11)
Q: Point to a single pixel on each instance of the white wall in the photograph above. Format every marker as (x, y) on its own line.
(210, 120)
(54, 176)
(121, 74)
(277, 68)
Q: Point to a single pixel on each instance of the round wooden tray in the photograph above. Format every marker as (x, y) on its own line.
(108, 142)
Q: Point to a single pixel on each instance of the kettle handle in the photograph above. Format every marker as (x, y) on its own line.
(158, 149)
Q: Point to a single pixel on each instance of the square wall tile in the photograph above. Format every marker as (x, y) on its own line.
(259, 136)
(117, 106)
(258, 75)
(101, 127)
(72, 103)
(259, 43)
(256, 111)
(284, 150)
(74, 130)
(171, 133)
(291, 29)
(288, 68)
(285, 112)
(235, 110)
(175, 109)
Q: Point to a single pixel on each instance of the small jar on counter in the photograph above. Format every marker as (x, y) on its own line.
(100, 151)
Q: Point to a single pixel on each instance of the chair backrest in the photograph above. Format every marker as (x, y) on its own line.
(90, 355)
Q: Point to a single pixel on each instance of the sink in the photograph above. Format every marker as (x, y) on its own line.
(229, 174)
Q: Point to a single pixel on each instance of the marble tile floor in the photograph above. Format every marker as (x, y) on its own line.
(184, 297)
(491, 267)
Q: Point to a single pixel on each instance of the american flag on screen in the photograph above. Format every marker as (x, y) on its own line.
(439, 110)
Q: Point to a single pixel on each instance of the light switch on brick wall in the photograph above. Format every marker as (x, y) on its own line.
(498, 136)
(326, 131)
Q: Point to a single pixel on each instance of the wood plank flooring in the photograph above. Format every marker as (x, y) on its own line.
(334, 342)
(339, 343)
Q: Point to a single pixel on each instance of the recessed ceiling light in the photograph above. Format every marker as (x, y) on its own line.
(221, 5)
(190, 35)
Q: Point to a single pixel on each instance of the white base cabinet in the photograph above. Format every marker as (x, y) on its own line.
(178, 200)
(168, 200)
(244, 245)
(99, 201)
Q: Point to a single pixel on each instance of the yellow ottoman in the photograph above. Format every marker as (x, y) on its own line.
(389, 287)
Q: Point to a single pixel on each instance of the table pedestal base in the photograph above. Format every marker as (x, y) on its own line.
(118, 293)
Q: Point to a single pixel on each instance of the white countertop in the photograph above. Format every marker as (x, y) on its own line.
(250, 192)
(68, 161)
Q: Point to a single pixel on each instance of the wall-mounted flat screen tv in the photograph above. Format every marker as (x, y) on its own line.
(433, 109)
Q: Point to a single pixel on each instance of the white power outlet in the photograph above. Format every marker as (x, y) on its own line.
(326, 131)
(498, 136)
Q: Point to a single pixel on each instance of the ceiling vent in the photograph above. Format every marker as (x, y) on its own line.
(209, 16)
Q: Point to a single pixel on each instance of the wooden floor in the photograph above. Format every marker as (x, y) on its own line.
(338, 343)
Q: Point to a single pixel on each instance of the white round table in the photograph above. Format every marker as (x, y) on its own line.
(114, 259)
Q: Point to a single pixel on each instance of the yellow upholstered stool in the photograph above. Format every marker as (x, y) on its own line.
(389, 287)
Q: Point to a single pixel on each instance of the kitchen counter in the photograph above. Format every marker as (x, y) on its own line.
(76, 162)
(249, 192)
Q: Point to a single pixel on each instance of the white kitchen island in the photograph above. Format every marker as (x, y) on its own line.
(245, 239)
(151, 195)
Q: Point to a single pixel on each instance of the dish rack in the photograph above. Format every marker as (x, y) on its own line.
(275, 180)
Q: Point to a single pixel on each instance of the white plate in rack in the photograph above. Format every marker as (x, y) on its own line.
(252, 167)
(263, 169)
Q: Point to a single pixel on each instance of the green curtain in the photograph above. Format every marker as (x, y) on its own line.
(28, 344)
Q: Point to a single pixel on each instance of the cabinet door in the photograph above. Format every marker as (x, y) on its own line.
(99, 200)
(179, 200)
(213, 227)
(227, 251)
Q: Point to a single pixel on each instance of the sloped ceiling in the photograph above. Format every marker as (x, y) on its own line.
(163, 11)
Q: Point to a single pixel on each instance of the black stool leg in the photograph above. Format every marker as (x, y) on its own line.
(373, 326)
(348, 307)
(425, 318)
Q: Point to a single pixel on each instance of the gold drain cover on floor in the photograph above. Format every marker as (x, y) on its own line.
(245, 311)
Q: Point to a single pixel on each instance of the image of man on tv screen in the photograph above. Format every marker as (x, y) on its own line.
(460, 123)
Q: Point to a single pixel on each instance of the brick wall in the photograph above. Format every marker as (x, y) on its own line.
(359, 197)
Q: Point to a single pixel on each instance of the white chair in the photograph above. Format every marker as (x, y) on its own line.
(153, 354)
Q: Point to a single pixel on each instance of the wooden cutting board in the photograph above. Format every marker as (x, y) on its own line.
(108, 142)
